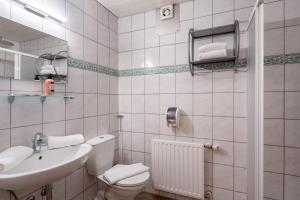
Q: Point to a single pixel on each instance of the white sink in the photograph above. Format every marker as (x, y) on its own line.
(45, 167)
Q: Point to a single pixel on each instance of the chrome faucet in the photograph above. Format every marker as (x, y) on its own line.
(39, 140)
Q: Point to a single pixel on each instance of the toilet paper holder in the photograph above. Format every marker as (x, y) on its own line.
(173, 117)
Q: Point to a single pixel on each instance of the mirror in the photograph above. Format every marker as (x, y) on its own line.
(28, 54)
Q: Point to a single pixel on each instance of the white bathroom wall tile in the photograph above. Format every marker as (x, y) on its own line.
(90, 127)
(103, 83)
(138, 142)
(53, 113)
(138, 39)
(28, 86)
(240, 196)
(124, 24)
(222, 5)
(124, 42)
(53, 28)
(74, 108)
(126, 122)
(223, 128)
(90, 192)
(202, 104)
(202, 8)
(223, 81)
(126, 138)
(274, 78)
(90, 105)
(152, 84)
(24, 17)
(152, 104)
(4, 140)
(203, 22)
(103, 104)
(292, 164)
(223, 104)
(225, 154)
(26, 111)
(274, 131)
(152, 57)
(185, 103)
(292, 109)
(74, 126)
(223, 19)
(273, 159)
(138, 21)
(103, 35)
(113, 59)
(77, 3)
(202, 127)
(102, 14)
(75, 18)
(113, 22)
(240, 104)
(138, 86)
(113, 123)
(90, 81)
(240, 154)
(103, 124)
(55, 128)
(150, 18)
(240, 179)
(75, 80)
(271, 20)
(138, 102)
(220, 194)
(182, 35)
(59, 189)
(167, 83)
(271, 47)
(113, 85)
(90, 27)
(75, 43)
(137, 157)
(291, 14)
(240, 129)
(185, 127)
(138, 58)
(242, 15)
(292, 73)
(223, 176)
(291, 187)
(167, 55)
(90, 7)
(5, 113)
(186, 10)
(274, 105)
(24, 135)
(148, 139)
(184, 83)
(125, 85)
(167, 39)
(152, 123)
(273, 185)
(74, 184)
(138, 123)
(292, 45)
(292, 137)
(243, 3)
(165, 101)
(203, 83)
(151, 38)
(240, 82)
(113, 40)
(181, 54)
(5, 9)
(90, 51)
(125, 60)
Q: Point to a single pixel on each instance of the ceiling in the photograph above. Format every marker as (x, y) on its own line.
(122, 8)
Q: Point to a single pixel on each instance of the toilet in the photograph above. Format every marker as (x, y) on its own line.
(101, 159)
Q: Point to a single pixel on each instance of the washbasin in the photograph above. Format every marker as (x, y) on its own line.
(45, 167)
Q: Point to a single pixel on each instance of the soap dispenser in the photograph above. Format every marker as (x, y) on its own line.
(49, 86)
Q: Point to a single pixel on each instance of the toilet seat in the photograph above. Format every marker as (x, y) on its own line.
(133, 181)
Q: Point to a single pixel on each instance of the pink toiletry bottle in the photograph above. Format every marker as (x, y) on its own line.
(49, 86)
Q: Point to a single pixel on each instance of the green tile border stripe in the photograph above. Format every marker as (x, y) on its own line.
(268, 60)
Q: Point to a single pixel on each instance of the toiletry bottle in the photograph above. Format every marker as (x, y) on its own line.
(49, 86)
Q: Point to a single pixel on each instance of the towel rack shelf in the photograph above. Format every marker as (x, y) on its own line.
(198, 34)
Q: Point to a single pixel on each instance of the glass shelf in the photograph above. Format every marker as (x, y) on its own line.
(11, 96)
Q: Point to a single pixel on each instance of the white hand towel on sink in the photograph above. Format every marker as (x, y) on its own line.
(55, 142)
(13, 156)
(120, 172)
(213, 54)
(212, 47)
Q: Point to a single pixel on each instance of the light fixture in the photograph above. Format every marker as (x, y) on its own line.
(41, 11)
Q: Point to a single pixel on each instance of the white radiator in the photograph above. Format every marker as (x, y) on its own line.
(178, 167)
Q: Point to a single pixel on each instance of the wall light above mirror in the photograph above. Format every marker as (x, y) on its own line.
(28, 54)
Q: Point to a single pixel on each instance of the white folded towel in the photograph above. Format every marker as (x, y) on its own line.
(213, 54)
(13, 156)
(212, 47)
(42, 72)
(55, 142)
(120, 172)
(47, 67)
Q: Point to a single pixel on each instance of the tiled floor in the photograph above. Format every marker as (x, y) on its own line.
(147, 196)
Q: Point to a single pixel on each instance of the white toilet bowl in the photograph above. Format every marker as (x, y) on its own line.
(126, 189)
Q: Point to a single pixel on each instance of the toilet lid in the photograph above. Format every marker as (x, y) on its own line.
(134, 180)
